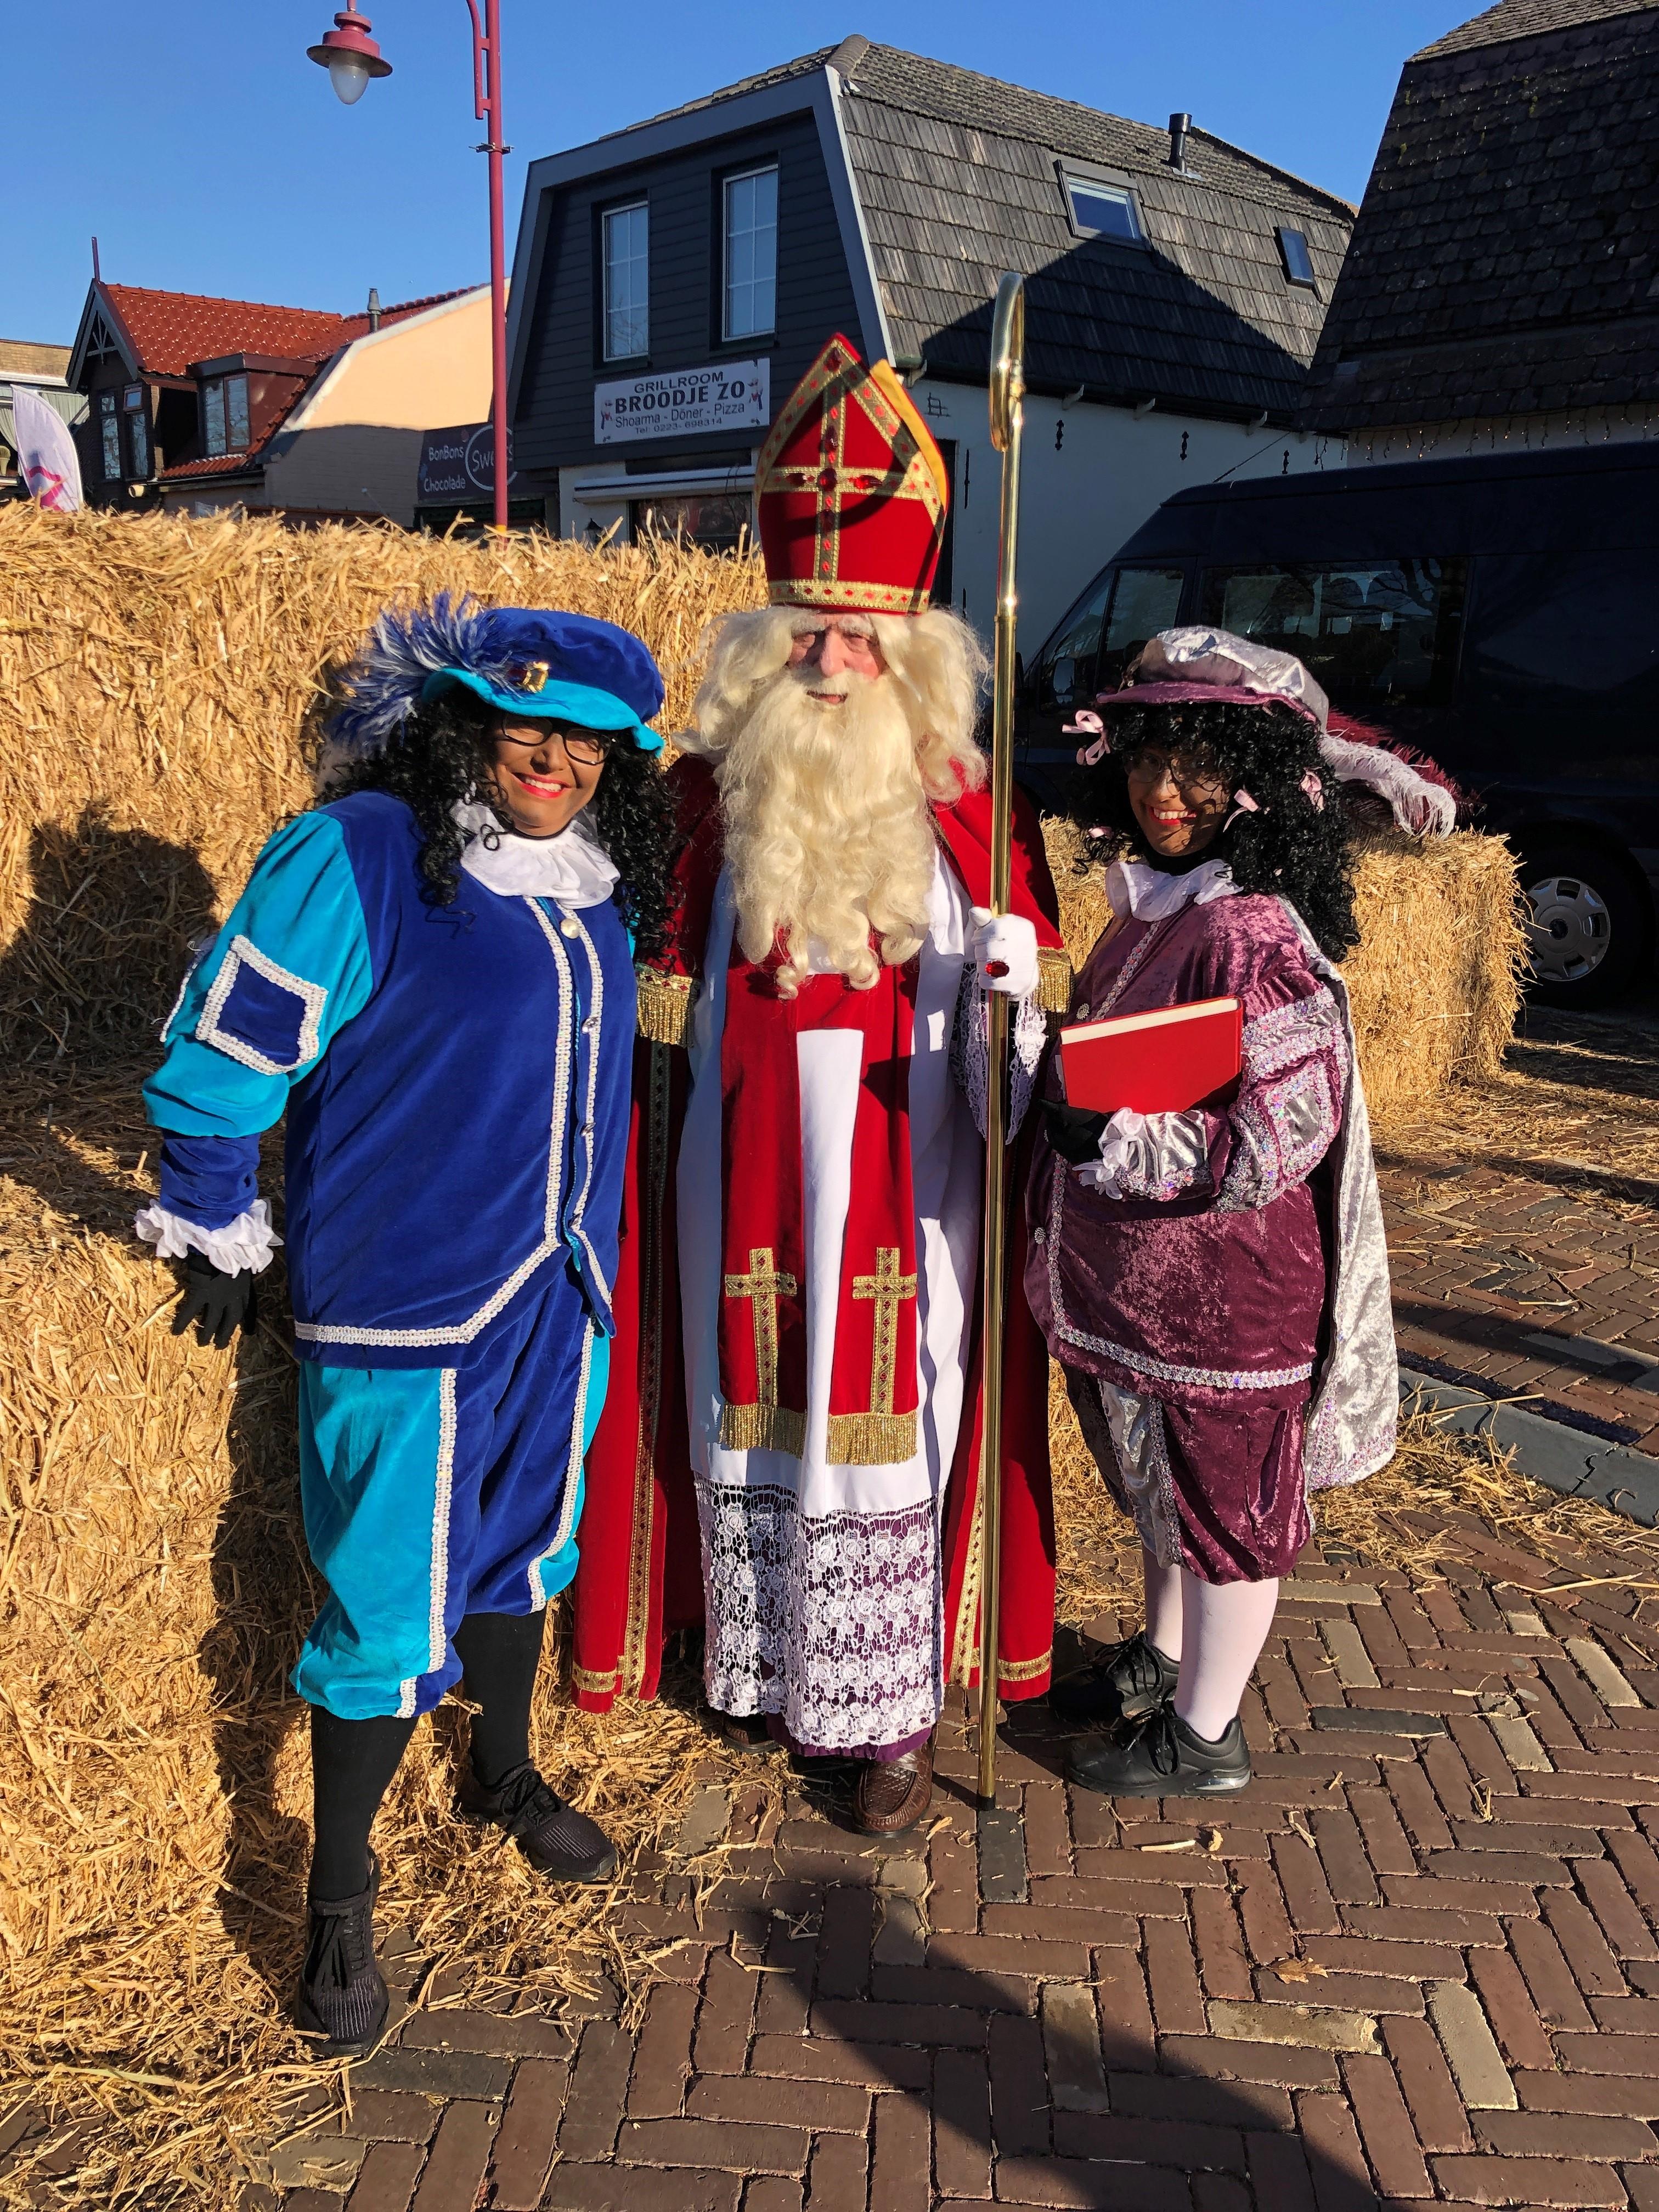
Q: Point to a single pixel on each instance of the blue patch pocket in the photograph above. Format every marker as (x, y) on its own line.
(261, 1013)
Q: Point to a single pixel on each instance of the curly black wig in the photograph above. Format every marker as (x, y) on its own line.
(1288, 844)
(441, 756)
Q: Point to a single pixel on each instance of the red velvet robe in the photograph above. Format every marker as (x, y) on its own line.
(639, 1577)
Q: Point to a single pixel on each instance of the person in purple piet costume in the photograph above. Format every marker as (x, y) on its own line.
(1215, 1284)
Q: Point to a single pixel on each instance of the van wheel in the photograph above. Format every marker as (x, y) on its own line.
(1591, 923)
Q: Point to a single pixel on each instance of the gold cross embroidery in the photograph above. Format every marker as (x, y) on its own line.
(763, 1285)
(888, 1288)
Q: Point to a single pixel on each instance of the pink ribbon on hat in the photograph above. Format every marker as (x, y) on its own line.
(1316, 790)
(1088, 724)
(1243, 804)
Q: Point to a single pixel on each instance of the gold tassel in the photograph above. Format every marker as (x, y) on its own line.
(1054, 982)
(665, 1004)
(763, 1428)
(871, 1439)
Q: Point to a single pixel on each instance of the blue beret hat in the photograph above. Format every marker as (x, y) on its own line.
(526, 661)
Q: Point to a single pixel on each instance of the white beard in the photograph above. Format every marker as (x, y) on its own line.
(828, 835)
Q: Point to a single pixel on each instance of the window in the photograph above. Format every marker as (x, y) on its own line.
(722, 523)
(1144, 602)
(751, 254)
(109, 425)
(225, 417)
(1098, 210)
(1371, 631)
(138, 432)
(1293, 252)
(627, 317)
(1064, 672)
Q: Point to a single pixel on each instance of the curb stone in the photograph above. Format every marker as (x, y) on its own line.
(1564, 1459)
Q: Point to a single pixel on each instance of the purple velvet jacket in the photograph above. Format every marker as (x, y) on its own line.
(1206, 1283)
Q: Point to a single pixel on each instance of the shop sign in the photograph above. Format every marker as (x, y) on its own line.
(736, 395)
(460, 464)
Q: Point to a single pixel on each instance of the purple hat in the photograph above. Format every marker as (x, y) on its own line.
(1195, 665)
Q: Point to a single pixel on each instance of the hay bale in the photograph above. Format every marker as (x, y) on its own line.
(1436, 977)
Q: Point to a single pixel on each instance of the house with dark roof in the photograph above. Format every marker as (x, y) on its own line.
(672, 281)
(1502, 288)
(199, 404)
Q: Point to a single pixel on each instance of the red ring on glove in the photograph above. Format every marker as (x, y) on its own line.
(996, 967)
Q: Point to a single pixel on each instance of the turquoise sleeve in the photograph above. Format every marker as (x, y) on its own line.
(291, 967)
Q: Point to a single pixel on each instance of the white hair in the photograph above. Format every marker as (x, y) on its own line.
(828, 835)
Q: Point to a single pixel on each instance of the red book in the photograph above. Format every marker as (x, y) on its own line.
(1159, 1063)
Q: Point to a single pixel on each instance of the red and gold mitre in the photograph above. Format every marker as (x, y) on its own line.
(852, 492)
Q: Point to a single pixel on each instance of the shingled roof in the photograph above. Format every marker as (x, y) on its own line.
(956, 176)
(1529, 19)
(1506, 257)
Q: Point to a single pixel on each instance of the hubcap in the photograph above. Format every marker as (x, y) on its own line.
(1571, 929)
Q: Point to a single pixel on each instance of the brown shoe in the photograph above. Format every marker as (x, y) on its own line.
(894, 1794)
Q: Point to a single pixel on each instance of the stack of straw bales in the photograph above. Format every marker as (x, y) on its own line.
(161, 686)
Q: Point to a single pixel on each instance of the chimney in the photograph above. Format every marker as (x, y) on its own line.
(1179, 126)
(373, 308)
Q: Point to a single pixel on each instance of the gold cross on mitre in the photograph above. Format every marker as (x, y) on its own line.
(880, 1437)
(765, 1424)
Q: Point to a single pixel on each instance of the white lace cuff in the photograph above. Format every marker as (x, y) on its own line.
(1149, 1156)
(247, 1241)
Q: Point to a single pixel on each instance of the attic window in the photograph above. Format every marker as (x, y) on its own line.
(224, 404)
(1293, 252)
(1099, 209)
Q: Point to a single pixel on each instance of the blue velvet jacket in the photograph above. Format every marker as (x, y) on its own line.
(455, 1078)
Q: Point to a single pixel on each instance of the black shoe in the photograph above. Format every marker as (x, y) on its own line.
(343, 1997)
(1164, 1758)
(745, 1731)
(1125, 1682)
(555, 1839)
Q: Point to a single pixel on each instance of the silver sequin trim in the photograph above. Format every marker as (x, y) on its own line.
(437, 1640)
(573, 1467)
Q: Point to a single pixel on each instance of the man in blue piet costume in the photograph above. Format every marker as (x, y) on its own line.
(431, 974)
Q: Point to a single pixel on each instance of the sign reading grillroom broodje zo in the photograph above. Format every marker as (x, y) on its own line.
(735, 395)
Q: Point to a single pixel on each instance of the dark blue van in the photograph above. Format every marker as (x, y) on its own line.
(1501, 613)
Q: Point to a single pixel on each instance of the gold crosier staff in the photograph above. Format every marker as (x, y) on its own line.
(1007, 398)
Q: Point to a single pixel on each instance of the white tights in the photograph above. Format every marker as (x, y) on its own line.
(1216, 1629)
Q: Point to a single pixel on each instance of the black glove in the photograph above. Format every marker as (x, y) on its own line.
(1073, 1131)
(219, 1303)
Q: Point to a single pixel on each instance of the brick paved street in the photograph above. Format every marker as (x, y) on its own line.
(1525, 1252)
(1416, 1963)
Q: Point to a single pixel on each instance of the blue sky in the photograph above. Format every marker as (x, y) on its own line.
(209, 155)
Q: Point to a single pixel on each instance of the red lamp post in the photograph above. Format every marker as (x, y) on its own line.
(351, 57)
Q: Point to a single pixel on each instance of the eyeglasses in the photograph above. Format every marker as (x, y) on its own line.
(585, 748)
(1196, 772)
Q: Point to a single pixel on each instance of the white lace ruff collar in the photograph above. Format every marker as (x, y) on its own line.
(1150, 895)
(569, 868)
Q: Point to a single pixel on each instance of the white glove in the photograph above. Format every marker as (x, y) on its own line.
(1008, 944)
(1421, 808)
(1148, 1155)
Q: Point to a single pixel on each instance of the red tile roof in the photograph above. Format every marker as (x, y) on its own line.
(170, 330)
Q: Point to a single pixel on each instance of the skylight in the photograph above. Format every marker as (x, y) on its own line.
(1293, 252)
(1102, 210)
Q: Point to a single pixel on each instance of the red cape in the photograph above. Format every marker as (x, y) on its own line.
(639, 1577)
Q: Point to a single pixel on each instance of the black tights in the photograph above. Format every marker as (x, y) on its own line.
(352, 1762)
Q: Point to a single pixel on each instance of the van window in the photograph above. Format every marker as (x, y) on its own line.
(1145, 601)
(1065, 673)
(1562, 663)
(1370, 631)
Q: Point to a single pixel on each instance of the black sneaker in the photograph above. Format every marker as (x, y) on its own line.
(1123, 1683)
(555, 1839)
(1164, 1758)
(343, 1998)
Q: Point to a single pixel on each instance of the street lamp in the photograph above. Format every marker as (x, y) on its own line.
(351, 57)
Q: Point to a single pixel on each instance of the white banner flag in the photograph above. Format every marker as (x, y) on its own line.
(46, 458)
